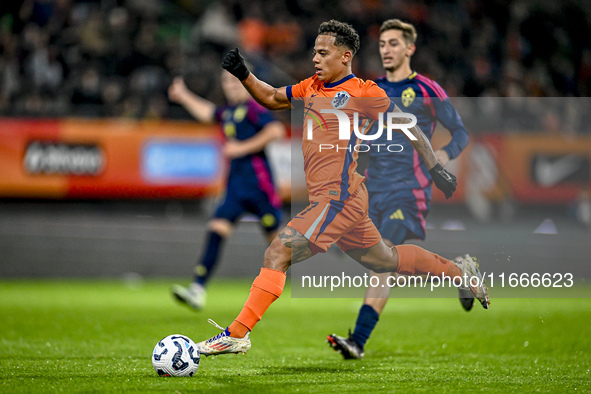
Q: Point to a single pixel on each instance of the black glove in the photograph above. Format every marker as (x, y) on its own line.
(235, 65)
(444, 180)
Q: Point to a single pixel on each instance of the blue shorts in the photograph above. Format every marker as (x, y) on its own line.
(400, 215)
(256, 202)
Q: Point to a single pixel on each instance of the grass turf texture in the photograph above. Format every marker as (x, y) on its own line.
(97, 336)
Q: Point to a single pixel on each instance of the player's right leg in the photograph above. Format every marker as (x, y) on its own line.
(318, 226)
(289, 247)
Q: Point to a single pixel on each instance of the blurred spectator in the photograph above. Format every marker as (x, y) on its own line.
(44, 69)
(156, 107)
(93, 40)
(474, 47)
(9, 71)
(111, 96)
(252, 30)
(88, 88)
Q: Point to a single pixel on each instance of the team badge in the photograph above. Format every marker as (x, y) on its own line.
(230, 129)
(239, 114)
(340, 100)
(408, 96)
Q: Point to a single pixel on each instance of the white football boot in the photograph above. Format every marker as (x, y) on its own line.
(471, 275)
(193, 296)
(223, 343)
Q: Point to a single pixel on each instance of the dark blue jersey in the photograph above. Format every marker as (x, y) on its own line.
(424, 98)
(251, 172)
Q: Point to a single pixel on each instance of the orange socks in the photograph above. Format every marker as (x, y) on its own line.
(416, 260)
(266, 288)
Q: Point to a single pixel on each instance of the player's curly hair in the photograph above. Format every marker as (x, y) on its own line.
(409, 33)
(344, 33)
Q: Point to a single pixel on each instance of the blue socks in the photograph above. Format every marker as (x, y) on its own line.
(204, 270)
(366, 322)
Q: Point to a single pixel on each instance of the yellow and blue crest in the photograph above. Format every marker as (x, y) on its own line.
(408, 96)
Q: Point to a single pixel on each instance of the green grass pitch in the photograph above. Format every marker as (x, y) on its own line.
(98, 336)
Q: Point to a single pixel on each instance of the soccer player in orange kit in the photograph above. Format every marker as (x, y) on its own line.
(338, 210)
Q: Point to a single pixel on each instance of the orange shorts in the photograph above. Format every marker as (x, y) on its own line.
(346, 223)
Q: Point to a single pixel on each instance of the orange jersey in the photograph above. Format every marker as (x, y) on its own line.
(330, 163)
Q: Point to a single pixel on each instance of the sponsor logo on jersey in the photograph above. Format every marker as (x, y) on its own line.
(397, 215)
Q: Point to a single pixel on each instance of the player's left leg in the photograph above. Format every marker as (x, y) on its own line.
(407, 259)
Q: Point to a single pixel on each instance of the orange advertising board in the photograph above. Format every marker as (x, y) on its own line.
(540, 168)
(122, 159)
(109, 159)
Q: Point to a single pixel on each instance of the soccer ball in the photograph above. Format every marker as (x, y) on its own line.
(176, 355)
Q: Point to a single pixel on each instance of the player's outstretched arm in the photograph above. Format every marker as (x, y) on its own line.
(265, 94)
(201, 109)
(271, 132)
(443, 179)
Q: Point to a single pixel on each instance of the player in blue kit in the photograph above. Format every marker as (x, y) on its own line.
(248, 128)
(399, 183)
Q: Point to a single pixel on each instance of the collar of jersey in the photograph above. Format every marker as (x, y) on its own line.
(410, 77)
(340, 81)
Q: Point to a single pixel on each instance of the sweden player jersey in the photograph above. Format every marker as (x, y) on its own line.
(425, 99)
(251, 172)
